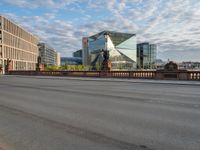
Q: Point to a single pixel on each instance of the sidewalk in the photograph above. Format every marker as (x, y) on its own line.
(152, 81)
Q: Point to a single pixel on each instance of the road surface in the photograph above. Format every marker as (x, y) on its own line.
(66, 114)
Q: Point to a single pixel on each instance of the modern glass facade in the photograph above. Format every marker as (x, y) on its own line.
(71, 61)
(146, 56)
(121, 47)
(78, 53)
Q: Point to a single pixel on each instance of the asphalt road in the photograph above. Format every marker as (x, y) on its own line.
(65, 114)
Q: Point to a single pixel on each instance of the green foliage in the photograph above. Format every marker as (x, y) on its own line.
(51, 68)
(98, 67)
(67, 68)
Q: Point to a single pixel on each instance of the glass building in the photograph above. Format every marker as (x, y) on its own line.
(78, 53)
(121, 46)
(146, 56)
(71, 61)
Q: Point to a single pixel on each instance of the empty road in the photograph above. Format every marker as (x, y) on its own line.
(66, 114)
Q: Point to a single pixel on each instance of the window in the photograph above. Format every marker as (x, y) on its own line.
(1, 52)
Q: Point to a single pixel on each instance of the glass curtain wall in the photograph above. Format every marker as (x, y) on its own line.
(146, 56)
(121, 47)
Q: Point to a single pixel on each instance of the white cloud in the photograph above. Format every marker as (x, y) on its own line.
(172, 24)
(40, 3)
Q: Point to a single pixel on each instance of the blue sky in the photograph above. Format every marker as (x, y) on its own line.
(174, 25)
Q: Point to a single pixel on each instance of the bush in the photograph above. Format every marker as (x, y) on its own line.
(67, 68)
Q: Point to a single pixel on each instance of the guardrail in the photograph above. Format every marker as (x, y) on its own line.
(177, 75)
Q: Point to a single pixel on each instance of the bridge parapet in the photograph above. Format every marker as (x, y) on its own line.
(159, 74)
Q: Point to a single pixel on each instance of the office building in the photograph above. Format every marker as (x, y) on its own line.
(47, 54)
(17, 46)
(121, 46)
(57, 59)
(189, 65)
(78, 53)
(71, 61)
(146, 56)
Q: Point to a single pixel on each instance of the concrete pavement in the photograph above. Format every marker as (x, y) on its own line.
(60, 114)
(152, 81)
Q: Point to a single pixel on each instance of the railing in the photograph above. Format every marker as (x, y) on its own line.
(58, 73)
(193, 75)
(130, 74)
(107, 74)
(178, 75)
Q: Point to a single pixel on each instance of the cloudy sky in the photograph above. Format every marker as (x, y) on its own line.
(174, 25)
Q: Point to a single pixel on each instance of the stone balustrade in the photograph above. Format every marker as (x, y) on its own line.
(161, 75)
